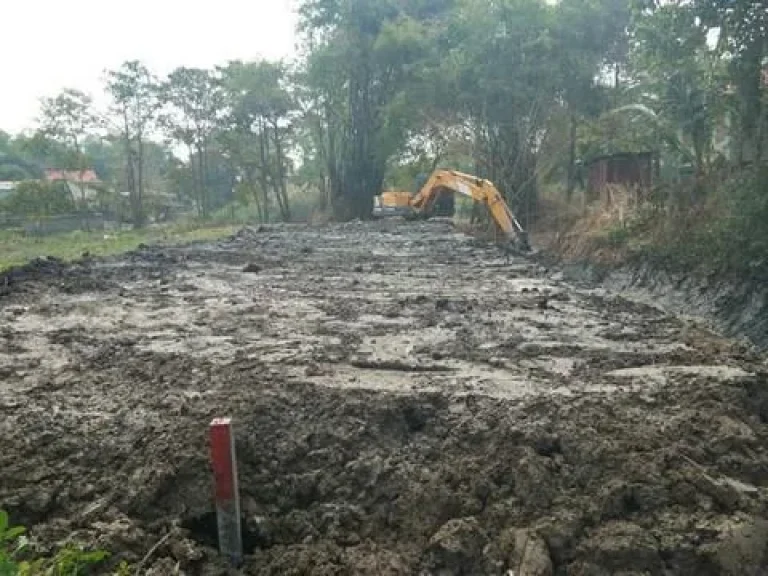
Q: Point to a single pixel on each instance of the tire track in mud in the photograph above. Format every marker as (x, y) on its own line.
(405, 402)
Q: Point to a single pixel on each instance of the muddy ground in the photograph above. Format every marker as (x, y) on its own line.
(406, 401)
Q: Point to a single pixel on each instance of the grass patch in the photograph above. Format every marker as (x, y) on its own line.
(17, 249)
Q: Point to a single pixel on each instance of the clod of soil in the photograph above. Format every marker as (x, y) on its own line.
(252, 268)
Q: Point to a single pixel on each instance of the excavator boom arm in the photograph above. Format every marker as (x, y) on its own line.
(473, 187)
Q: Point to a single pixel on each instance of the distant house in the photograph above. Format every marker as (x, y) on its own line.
(82, 184)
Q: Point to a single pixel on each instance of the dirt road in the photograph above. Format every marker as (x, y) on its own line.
(405, 401)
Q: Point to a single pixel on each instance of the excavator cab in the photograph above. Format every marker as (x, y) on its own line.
(392, 203)
(445, 205)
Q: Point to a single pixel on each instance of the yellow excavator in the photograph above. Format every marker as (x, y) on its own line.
(480, 190)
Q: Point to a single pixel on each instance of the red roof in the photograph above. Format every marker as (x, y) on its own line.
(72, 175)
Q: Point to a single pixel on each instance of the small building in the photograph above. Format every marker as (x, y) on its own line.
(628, 169)
(6, 189)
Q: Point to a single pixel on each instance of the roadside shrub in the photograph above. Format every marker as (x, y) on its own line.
(745, 225)
(39, 200)
(727, 233)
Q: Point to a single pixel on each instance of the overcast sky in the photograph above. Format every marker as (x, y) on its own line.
(47, 45)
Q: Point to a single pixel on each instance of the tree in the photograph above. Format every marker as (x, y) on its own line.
(255, 130)
(742, 28)
(38, 152)
(39, 200)
(68, 119)
(507, 80)
(15, 164)
(321, 99)
(362, 56)
(12, 171)
(193, 101)
(387, 90)
(5, 142)
(135, 97)
(681, 79)
(589, 40)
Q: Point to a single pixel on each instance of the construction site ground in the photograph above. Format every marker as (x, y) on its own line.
(406, 400)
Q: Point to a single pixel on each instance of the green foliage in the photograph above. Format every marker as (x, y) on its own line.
(680, 78)
(254, 135)
(68, 119)
(39, 200)
(12, 543)
(192, 100)
(237, 213)
(124, 569)
(13, 172)
(366, 63)
(743, 41)
(37, 152)
(135, 95)
(728, 235)
(522, 92)
(68, 561)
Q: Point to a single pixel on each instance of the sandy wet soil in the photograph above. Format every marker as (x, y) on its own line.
(406, 401)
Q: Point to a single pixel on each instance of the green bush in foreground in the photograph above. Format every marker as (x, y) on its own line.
(69, 561)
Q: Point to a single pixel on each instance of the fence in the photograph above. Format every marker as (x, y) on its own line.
(59, 224)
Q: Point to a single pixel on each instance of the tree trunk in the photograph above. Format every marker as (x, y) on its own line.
(201, 178)
(83, 201)
(264, 168)
(332, 162)
(357, 175)
(253, 188)
(195, 183)
(572, 158)
(283, 190)
(130, 177)
(138, 208)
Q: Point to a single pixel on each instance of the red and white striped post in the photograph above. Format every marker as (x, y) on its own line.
(224, 462)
